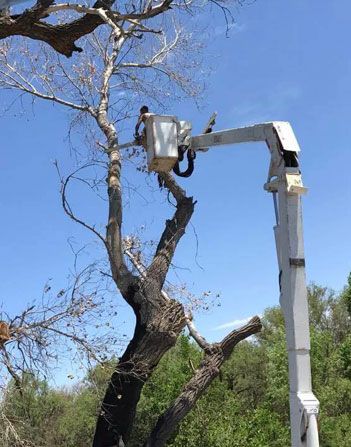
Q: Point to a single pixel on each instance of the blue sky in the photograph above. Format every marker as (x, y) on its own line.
(282, 61)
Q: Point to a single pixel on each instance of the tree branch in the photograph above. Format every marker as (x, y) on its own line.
(195, 334)
(203, 377)
(68, 209)
(120, 272)
(200, 340)
(60, 37)
(174, 230)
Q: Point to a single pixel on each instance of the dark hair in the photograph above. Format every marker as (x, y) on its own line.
(144, 109)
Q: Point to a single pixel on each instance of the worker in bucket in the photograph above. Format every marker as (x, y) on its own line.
(143, 116)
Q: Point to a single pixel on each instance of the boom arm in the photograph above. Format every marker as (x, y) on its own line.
(284, 182)
(278, 135)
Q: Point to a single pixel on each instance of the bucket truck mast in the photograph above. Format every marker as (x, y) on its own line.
(164, 138)
(285, 183)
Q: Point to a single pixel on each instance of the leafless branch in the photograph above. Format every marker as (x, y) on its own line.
(66, 206)
(200, 340)
(208, 370)
(69, 319)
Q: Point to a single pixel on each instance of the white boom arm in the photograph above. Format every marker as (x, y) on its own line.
(285, 182)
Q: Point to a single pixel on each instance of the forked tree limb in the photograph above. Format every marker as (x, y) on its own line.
(195, 334)
(202, 378)
(157, 330)
(62, 37)
(215, 355)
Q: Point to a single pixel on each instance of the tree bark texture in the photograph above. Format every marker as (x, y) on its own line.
(152, 338)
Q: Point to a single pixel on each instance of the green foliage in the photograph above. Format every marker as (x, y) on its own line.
(346, 296)
(246, 406)
(47, 417)
(164, 385)
(345, 357)
(35, 410)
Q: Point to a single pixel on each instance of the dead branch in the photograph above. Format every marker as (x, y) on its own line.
(203, 377)
(66, 206)
(68, 319)
(9, 436)
(195, 334)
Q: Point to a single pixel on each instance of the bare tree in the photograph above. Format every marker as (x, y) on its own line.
(58, 328)
(139, 54)
(70, 328)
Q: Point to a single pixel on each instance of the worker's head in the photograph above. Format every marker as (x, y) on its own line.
(144, 109)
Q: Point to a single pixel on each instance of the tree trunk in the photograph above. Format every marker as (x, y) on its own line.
(155, 333)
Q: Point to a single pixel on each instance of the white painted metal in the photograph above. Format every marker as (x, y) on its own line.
(294, 181)
(287, 184)
(185, 128)
(286, 136)
(293, 300)
(312, 438)
(161, 142)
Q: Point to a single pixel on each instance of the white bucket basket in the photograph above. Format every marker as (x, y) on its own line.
(161, 142)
